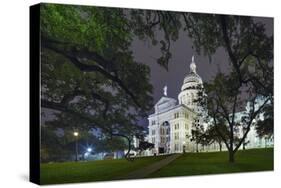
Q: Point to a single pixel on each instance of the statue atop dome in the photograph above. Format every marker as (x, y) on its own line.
(165, 90)
(192, 65)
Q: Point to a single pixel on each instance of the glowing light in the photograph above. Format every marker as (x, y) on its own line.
(75, 133)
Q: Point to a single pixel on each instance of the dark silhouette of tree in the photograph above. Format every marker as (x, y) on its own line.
(225, 99)
(214, 132)
(198, 135)
(264, 127)
(88, 71)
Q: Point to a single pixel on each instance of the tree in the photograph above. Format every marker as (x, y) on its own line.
(88, 71)
(245, 42)
(225, 99)
(264, 127)
(198, 135)
(250, 52)
(214, 134)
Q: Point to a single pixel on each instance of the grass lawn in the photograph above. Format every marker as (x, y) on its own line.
(217, 162)
(187, 164)
(70, 172)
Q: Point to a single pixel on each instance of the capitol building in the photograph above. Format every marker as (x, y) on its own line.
(170, 126)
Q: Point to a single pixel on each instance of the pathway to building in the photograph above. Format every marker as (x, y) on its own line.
(144, 172)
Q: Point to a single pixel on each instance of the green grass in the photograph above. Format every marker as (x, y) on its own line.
(70, 172)
(217, 162)
(187, 164)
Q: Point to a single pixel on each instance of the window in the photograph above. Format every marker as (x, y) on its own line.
(177, 126)
(186, 126)
(186, 115)
(153, 132)
(176, 147)
(153, 122)
(176, 115)
(176, 136)
(153, 140)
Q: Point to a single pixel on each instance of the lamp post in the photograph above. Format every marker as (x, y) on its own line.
(183, 146)
(76, 134)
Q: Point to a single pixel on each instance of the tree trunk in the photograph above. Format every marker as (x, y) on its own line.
(127, 155)
(220, 146)
(231, 157)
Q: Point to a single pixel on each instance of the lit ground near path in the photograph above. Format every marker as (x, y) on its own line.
(146, 171)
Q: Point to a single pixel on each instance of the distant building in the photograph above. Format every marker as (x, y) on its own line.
(171, 124)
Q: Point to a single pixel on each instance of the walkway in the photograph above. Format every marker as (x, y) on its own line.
(144, 172)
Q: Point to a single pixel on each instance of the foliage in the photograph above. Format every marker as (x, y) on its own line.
(53, 147)
(89, 75)
(198, 135)
(264, 127)
(228, 110)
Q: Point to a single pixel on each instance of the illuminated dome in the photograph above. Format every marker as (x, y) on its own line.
(192, 84)
(192, 79)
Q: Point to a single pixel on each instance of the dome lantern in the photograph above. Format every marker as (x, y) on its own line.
(192, 65)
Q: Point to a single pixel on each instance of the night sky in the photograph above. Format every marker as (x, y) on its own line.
(182, 52)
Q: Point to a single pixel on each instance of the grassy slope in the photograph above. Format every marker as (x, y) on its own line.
(214, 163)
(70, 172)
(188, 164)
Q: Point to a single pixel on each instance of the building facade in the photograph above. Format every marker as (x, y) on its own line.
(170, 126)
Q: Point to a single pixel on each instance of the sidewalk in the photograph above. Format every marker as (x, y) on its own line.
(144, 172)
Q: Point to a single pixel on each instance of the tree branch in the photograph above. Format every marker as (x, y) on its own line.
(228, 46)
(90, 68)
(252, 117)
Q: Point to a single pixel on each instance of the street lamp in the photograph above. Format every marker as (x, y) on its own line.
(76, 134)
(89, 150)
